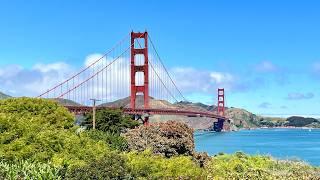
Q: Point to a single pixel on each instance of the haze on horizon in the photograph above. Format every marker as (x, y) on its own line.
(264, 53)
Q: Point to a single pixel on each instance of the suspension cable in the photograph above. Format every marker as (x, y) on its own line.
(158, 75)
(153, 46)
(97, 71)
(86, 68)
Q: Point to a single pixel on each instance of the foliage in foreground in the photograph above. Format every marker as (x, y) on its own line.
(111, 166)
(135, 165)
(28, 170)
(115, 142)
(146, 165)
(242, 166)
(41, 130)
(149, 166)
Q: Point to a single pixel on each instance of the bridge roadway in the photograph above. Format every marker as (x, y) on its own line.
(83, 109)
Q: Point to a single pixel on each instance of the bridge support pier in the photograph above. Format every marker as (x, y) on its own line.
(218, 126)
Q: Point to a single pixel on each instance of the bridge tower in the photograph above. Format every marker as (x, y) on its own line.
(139, 68)
(220, 108)
(218, 126)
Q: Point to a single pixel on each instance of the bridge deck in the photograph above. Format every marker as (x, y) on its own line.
(82, 109)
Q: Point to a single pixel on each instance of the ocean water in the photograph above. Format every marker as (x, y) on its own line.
(299, 144)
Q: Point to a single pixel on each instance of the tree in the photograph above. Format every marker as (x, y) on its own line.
(111, 121)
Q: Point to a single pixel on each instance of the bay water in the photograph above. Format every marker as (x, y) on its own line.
(296, 144)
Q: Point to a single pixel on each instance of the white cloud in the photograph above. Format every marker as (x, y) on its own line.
(192, 80)
(90, 59)
(19, 81)
(219, 77)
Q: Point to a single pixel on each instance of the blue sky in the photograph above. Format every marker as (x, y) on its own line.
(265, 53)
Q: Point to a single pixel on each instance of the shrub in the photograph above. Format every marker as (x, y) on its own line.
(116, 142)
(169, 138)
(28, 170)
(242, 166)
(201, 158)
(147, 165)
(111, 166)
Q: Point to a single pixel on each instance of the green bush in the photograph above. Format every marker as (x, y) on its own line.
(116, 142)
(242, 166)
(111, 166)
(150, 166)
(169, 138)
(41, 130)
(111, 121)
(28, 170)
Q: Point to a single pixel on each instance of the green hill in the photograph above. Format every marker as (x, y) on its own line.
(297, 121)
(66, 102)
(4, 96)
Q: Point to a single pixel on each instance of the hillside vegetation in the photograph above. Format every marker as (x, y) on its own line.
(302, 122)
(38, 140)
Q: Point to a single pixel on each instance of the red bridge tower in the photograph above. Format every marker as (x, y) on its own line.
(220, 107)
(219, 125)
(139, 68)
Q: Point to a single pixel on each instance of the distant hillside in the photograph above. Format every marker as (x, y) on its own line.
(297, 121)
(196, 106)
(4, 96)
(125, 103)
(66, 102)
(240, 118)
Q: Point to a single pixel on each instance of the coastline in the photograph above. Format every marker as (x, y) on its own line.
(280, 127)
(256, 128)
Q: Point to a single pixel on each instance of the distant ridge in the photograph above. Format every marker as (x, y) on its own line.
(154, 103)
(66, 102)
(4, 96)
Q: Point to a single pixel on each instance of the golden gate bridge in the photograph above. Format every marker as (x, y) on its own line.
(134, 69)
